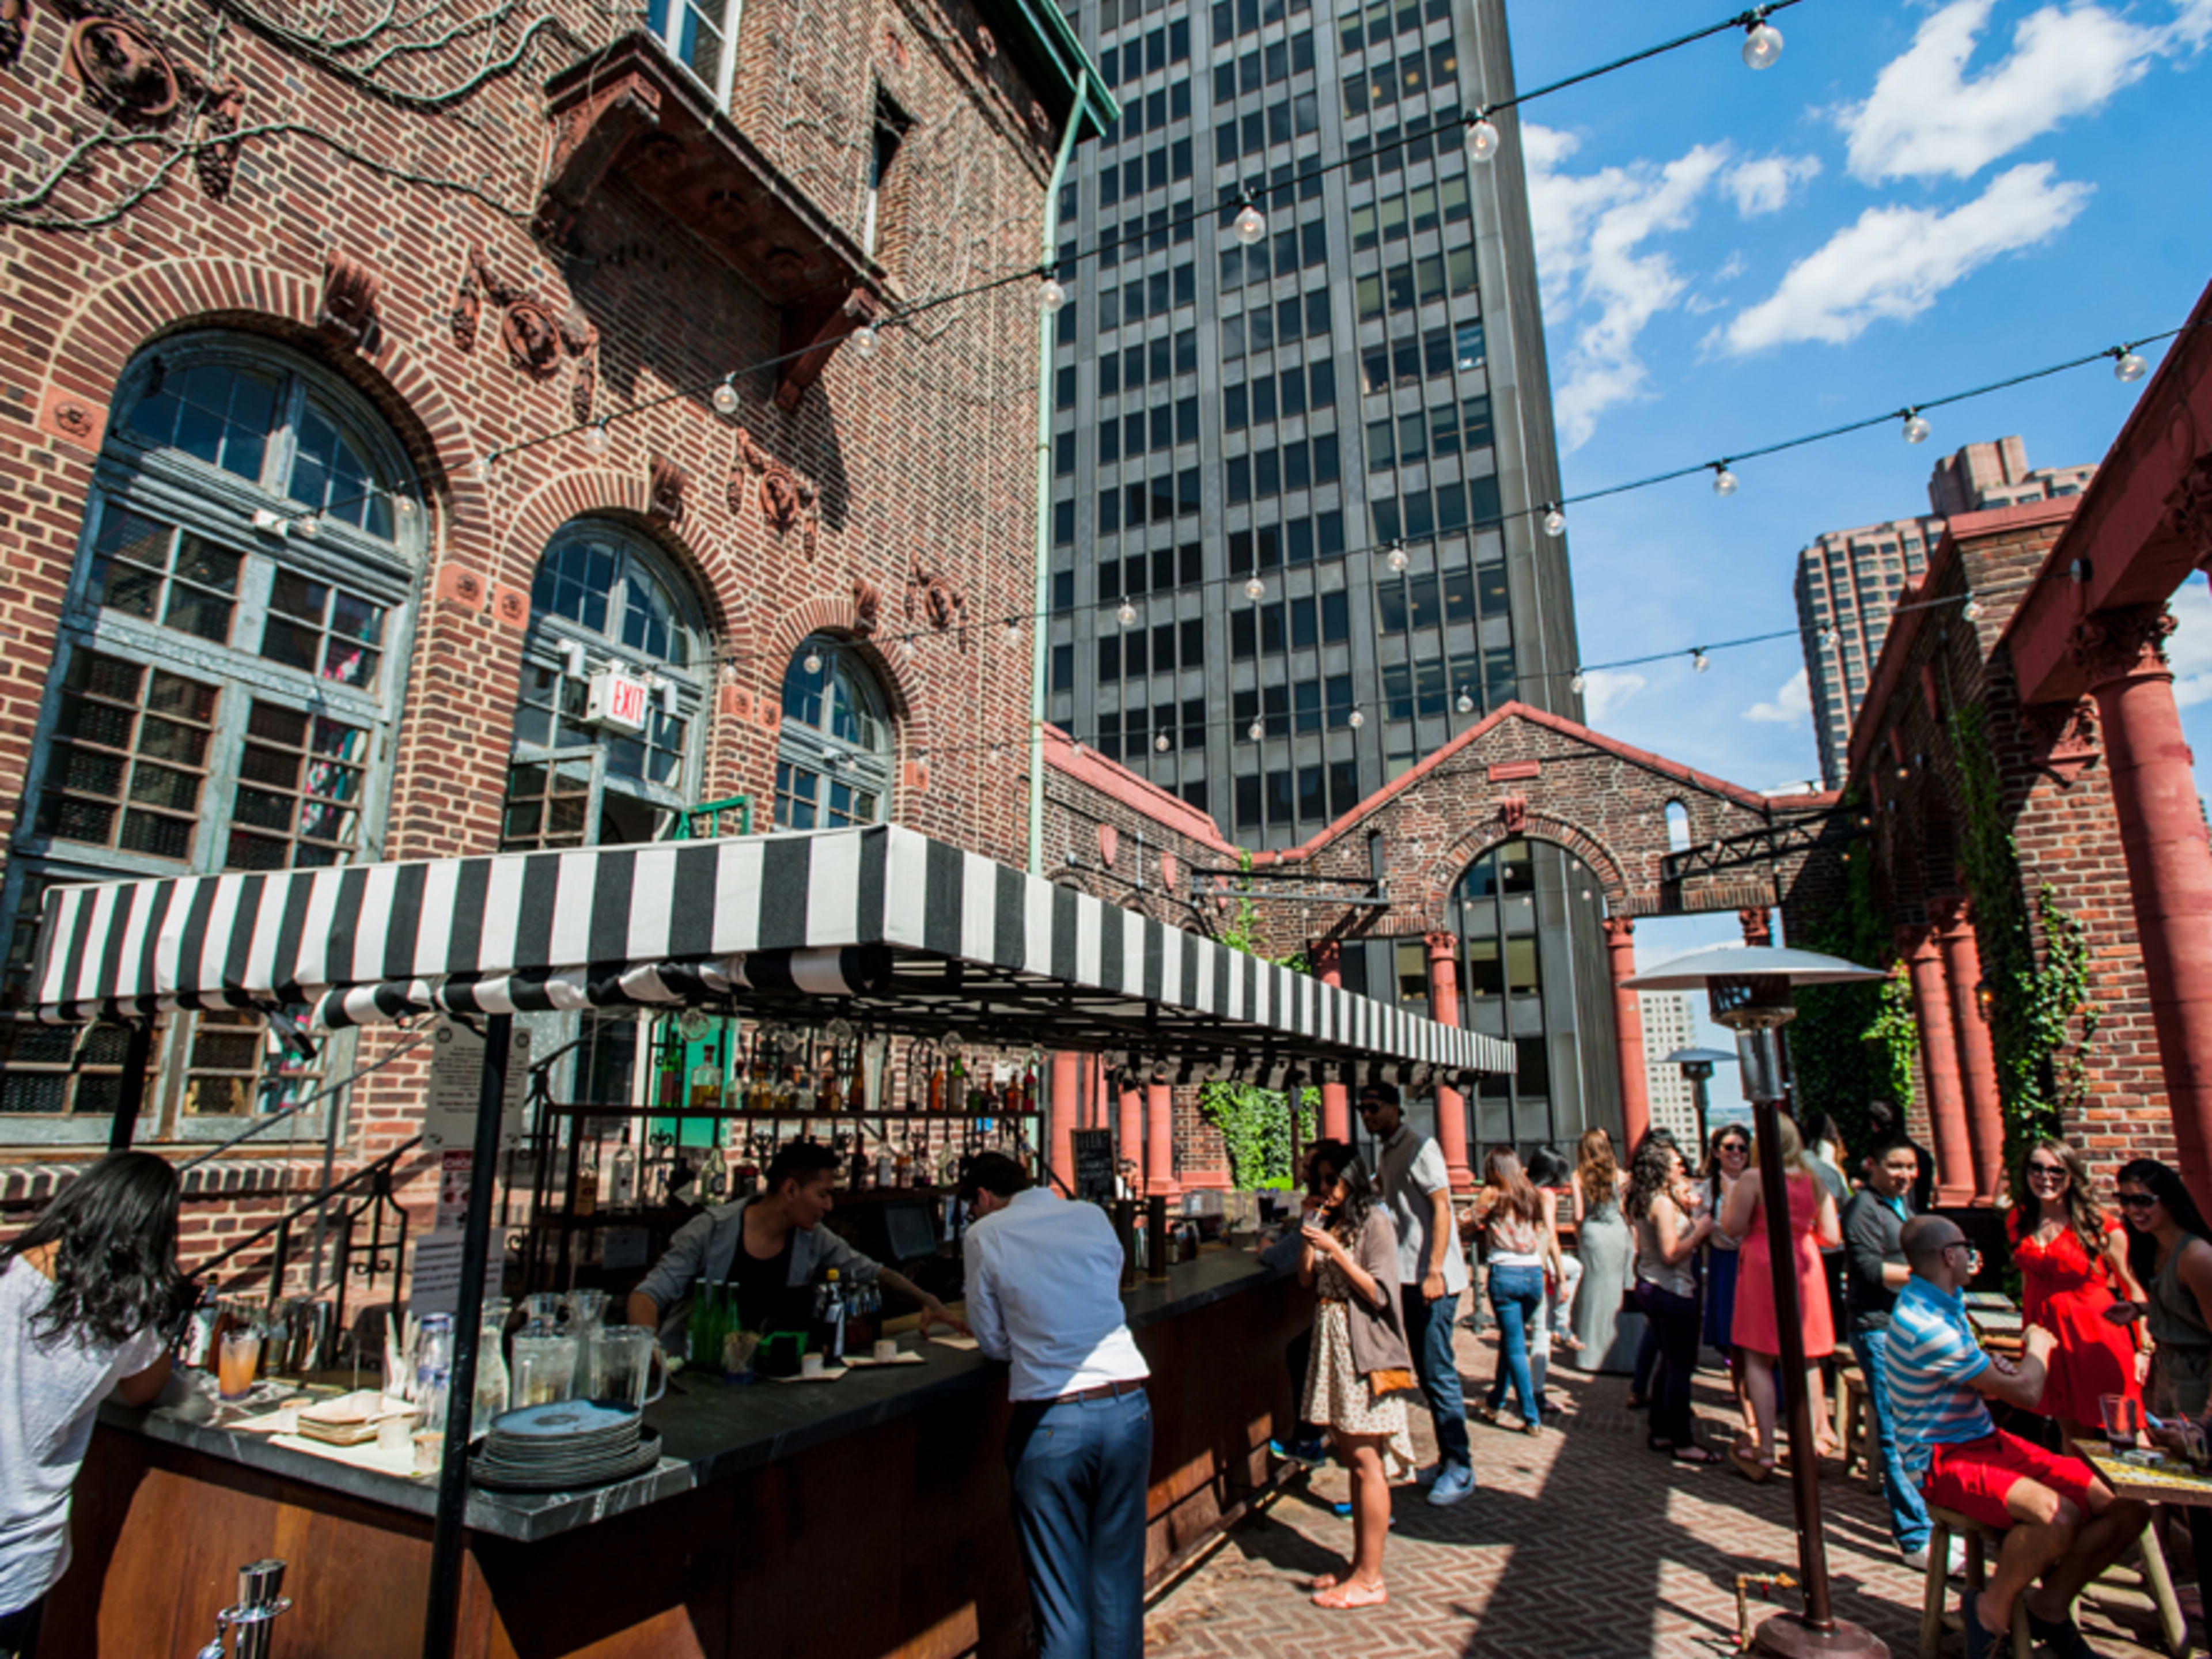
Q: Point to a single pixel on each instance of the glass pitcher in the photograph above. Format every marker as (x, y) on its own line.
(585, 1313)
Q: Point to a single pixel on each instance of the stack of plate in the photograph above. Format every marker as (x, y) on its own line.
(562, 1446)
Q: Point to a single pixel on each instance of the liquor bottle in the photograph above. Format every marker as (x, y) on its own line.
(827, 1094)
(856, 1095)
(886, 1167)
(955, 1089)
(587, 1188)
(829, 1319)
(706, 1084)
(937, 1085)
(621, 1190)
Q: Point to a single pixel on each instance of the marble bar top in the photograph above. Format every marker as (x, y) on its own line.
(710, 1431)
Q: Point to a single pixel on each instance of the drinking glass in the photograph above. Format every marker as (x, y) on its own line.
(544, 1369)
(625, 1367)
(2123, 1421)
(240, 1358)
(541, 1312)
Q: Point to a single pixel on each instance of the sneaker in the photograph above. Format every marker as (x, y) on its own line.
(1955, 1568)
(1451, 1486)
(1343, 1512)
(1427, 1473)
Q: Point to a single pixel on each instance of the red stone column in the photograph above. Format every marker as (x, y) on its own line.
(1131, 1142)
(1159, 1141)
(1939, 1059)
(1628, 1034)
(1758, 929)
(1336, 1098)
(1444, 1008)
(2123, 654)
(1978, 1061)
(1067, 1070)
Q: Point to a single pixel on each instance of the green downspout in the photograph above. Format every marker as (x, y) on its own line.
(1040, 644)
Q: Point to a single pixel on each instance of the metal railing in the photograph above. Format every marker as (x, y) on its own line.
(685, 826)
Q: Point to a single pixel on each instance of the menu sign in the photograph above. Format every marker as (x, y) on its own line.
(449, 1110)
(1094, 1164)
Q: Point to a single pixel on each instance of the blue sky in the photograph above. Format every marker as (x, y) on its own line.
(1920, 197)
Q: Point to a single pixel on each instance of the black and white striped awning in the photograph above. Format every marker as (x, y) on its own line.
(893, 928)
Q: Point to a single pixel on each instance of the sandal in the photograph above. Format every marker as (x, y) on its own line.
(1352, 1593)
(1567, 1341)
(1697, 1456)
(1754, 1468)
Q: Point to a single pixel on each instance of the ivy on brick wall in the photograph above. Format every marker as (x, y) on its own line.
(1256, 1122)
(1852, 1045)
(2042, 1022)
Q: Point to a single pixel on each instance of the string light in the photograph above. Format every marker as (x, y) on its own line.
(1916, 427)
(1397, 558)
(725, 396)
(597, 438)
(1576, 683)
(812, 662)
(1255, 589)
(1248, 227)
(1555, 522)
(1160, 743)
(405, 503)
(1255, 731)
(1724, 482)
(1972, 610)
(1466, 704)
(1699, 661)
(2128, 364)
(480, 469)
(1482, 138)
(1355, 720)
(1051, 296)
(1830, 639)
(864, 340)
(1127, 613)
(1762, 43)
(309, 525)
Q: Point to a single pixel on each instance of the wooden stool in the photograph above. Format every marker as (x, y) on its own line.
(1855, 1423)
(1945, 1524)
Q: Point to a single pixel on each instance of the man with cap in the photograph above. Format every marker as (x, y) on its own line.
(1431, 1276)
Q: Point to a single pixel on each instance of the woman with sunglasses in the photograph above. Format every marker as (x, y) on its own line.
(2072, 1256)
(2170, 1256)
(1726, 1164)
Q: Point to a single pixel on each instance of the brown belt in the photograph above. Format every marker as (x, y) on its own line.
(1103, 1391)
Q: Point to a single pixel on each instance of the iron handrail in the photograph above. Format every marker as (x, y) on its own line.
(320, 1201)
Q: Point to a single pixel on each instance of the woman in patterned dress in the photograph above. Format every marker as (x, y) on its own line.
(1359, 1368)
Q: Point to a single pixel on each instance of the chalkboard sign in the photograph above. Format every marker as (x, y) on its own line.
(1094, 1164)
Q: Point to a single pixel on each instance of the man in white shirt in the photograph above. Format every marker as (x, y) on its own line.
(1044, 1293)
(1431, 1276)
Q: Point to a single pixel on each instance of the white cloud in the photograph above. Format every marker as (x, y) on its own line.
(1601, 286)
(1764, 185)
(1927, 117)
(1606, 690)
(2189, 647)
(1894, 261)
(1792, 703)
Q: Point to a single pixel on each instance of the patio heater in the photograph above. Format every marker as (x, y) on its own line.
(1696, 1066)
(1750, 988)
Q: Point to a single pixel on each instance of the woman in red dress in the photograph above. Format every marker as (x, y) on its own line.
(2073, 1260)
(1758, 1338)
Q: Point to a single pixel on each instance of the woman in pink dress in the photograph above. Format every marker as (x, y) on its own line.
(2073, 1257)
(1813, 1224)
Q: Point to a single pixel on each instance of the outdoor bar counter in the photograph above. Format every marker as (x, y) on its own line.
(863, 1518)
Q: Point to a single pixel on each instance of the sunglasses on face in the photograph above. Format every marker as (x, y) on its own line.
(2137, 1201)
(2046, 1172)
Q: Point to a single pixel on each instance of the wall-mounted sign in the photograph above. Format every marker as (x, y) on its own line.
(617, 699)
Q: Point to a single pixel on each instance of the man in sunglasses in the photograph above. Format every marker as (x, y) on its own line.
(2062, 1524)
(1431, 1276)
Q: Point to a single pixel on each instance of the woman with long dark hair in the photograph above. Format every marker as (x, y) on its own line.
(1602, 1243)
(1514, 1232)
(1360, 1369)
(1728, 1160)
(2170, 1254)
(1667, 1239)
(2073, 1262)
(87, 1293)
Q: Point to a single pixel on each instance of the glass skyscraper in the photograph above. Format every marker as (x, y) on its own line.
(1298, 481)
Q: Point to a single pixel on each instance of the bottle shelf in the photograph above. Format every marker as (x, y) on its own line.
(704, 1114)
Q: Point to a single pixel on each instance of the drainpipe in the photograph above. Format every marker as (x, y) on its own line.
(1040, 644)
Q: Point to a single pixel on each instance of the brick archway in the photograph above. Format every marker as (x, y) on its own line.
(1444, 876)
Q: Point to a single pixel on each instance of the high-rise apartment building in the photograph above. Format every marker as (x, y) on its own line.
(1297, 478)
(1670, 1025)
(1848, 581)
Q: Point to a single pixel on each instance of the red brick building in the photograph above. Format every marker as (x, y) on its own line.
(421, 443)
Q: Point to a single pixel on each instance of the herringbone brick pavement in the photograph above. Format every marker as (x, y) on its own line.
(1579, 1545)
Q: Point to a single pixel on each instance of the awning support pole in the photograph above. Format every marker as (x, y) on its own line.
(137, 1056)
(447, 1529)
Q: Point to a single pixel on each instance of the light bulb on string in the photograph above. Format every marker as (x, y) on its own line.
(1160, 743)
(597, 438)
(1397, 559)
(1466, 704)
(405, 504)
(1762, 43)
(1482, 138)
(1830, 639)
(1576, 683)
(864, 340)
(309, 525)
(1555, 523)
(1255, 589)
(812, 662)
(480, 470)
(1699, 661)
(2128, 364)
(1248, 226)
(1127, 613)
(1255, 731)
(1724, 482)
(1916, 427)
(1972, 610)
(726, 396)
(1355, 720)
(1013, 632)
(1051, 296)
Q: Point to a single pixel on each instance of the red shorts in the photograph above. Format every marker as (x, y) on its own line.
(1971, 1478)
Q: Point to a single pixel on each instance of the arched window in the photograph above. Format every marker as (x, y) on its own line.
(833, 761)
(225, 685)
(595, 763)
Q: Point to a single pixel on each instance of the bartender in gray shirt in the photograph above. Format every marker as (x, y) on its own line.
(771, 1246)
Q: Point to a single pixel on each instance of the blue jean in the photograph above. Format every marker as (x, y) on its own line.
(1080, 1470)
(1516, 1296)
(1429, 1327)
(1908, 1511)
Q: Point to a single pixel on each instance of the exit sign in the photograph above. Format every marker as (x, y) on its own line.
(617, 699)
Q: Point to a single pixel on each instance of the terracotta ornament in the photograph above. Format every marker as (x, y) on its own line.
(215, 160)
(347, 316)
(123, 71)
(15, 24)
(867, 608)
(668, 481)
(930, 597)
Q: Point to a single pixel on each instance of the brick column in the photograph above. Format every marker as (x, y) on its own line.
(1159, 1141)
(1977, 1063)
(1758, 930)
(1628, 1034)
(1066, 1110)
(1939, 1059)
(1336, 1098)
(1444, 1008)
(2123, 654)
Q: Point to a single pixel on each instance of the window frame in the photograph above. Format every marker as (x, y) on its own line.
(832, 758)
